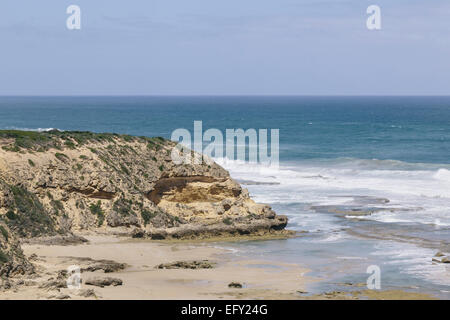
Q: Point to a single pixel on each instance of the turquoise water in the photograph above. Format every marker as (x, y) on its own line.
(411, 129)
(389, 156)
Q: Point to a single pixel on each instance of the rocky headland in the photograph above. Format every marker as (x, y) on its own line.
(56, 185)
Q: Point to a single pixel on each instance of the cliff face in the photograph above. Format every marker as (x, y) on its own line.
(61, 182)
(12, 259)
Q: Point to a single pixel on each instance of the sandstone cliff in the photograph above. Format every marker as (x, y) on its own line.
(63, 182)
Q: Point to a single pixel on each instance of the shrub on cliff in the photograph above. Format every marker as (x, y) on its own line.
(56, 139)
(12, 259)
(27, 216)
(96, 209)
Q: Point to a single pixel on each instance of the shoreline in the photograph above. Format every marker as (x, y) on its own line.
(142, 280)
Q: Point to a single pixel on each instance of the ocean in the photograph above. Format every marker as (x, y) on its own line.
(366, 179)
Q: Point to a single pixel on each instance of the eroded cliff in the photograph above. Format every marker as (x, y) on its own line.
(63, 182)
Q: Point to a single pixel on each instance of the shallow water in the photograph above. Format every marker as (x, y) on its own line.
(352, 223)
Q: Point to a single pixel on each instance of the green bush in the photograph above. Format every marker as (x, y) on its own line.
(3, 257)
(96, 209)
(70, 144)
(11, 215)
(30, 218)
(124, 169)
(61, 156)
(43, 141)
(4, 232)
(227, 221)
(147, 216)
(58, 206)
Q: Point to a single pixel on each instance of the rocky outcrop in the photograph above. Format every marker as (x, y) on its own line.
(12, 259)
(194, 264)
(104, 282)
(54, 184)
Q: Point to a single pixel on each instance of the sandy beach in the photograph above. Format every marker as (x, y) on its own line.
(141, 279)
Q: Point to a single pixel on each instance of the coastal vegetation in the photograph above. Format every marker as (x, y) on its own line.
(56, 139)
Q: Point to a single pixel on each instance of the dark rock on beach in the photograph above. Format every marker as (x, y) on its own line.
(236, 285)
(203, 264)
(104, 282)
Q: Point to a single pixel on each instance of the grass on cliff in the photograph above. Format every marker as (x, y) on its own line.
(4, 233)
(227, 221)
(27, 216)
(3, 257)
(55, 139)
(147, 216)
(96, 209)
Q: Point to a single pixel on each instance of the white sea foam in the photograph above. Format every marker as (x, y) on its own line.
(414, 260)
(443, 175)
(33, 129)
(423, 194)
(417, 193)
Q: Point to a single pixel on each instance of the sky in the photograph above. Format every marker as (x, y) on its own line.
(224, 47)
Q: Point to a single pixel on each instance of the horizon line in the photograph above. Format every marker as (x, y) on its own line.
(218, 95)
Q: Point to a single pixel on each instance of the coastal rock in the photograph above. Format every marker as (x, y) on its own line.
(138, 233)
(53, 284)
(203, 264)
(59, 240)
(104, 282)
(442, 260)
(236, 285)
(86, 293)
(12, 260)
(91, 265)
(59, 297)
(107, 266)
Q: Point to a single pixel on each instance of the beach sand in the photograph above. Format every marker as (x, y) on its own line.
(141, 280)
